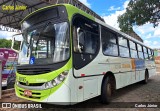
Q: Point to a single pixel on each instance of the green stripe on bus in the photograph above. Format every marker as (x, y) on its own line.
(71, 10)
(48, 76)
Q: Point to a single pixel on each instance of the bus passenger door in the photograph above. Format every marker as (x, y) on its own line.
(85, 49)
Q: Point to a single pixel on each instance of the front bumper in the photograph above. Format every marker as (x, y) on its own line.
(57, 95)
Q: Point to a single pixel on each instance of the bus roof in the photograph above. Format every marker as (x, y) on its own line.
(96, 20)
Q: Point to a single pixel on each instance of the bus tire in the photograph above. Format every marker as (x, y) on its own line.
(4, 88)
(145, 81)
(106, 91)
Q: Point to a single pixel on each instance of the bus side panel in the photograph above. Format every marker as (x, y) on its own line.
(150, 65)
(125, 79)
(152, 72)
(80, 89)
(118, 81)
(63, 99)
(90, 90)
(72, 83)
(142, 75)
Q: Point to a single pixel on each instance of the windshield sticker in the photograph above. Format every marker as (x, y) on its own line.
(32, 60)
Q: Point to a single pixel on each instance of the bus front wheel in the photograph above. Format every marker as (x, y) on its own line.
(106, 91)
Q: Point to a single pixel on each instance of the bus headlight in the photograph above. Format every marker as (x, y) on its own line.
(54, 83)
(60, 78)
(46, 85)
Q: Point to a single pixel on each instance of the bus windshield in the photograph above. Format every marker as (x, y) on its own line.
(46, 44)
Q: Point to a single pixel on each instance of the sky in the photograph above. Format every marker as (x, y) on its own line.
(110, 10)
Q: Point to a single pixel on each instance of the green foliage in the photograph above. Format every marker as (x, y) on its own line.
(140, 12)
(17, 45)
(4, 43)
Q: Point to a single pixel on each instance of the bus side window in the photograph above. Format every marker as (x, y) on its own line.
(109, 43)
(145, 53)
(133, 49)
(140, 51)
(86, 41)
(123, 47)
(151, 54)
(85, 36)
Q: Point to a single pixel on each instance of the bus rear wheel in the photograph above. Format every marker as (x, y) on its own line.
(145, 81)
(106, 91)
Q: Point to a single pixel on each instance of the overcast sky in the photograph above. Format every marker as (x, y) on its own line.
(110, 10)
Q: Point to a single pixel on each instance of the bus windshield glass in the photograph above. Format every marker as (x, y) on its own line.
(46, 44)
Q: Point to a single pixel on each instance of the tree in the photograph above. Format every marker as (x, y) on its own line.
(139, 12)
(4, 43)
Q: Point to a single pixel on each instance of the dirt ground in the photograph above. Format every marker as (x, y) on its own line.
(130, 96)
(158, 68)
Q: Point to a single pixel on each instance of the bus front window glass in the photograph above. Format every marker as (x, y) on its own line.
(61, 51)
(48, 43)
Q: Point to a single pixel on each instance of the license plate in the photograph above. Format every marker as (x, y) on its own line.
(27, 93)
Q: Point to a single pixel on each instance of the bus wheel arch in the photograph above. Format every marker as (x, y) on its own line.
(108, 87)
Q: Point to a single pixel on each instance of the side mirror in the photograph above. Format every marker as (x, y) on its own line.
(16, 42)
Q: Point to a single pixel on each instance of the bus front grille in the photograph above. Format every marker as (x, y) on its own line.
(31, 84)
(34, 71)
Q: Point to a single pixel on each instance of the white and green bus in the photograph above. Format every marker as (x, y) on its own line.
(81, 58)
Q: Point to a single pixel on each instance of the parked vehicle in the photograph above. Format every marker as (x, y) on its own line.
(9, 60)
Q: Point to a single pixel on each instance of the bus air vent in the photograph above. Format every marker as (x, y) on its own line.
(34, 71)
